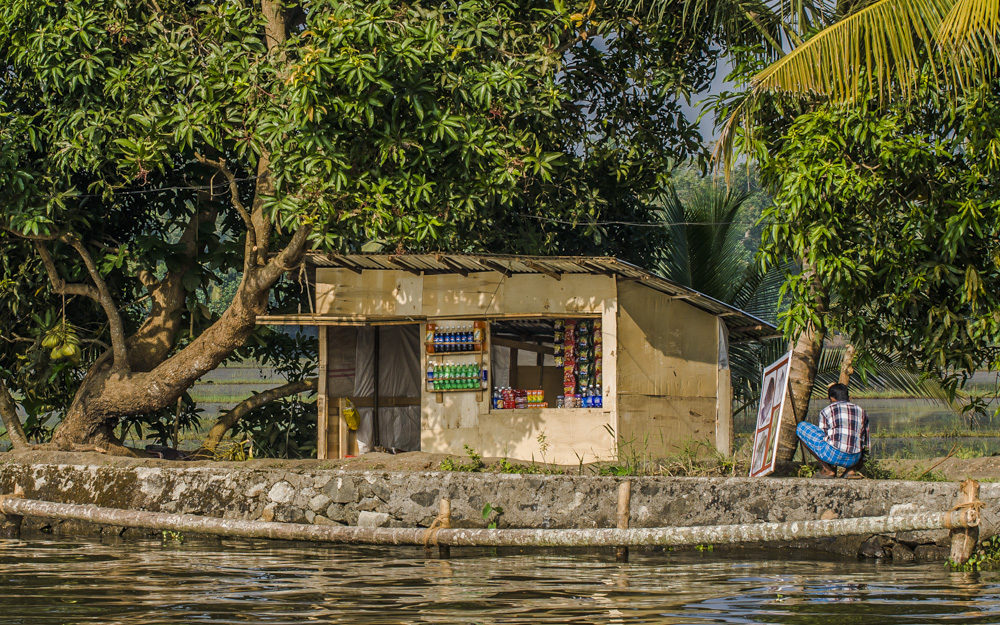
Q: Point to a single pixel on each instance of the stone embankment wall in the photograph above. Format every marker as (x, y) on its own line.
(305, 493)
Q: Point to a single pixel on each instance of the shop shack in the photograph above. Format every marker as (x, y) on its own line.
(555, 359)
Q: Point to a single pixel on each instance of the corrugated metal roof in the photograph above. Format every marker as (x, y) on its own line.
(742, 325)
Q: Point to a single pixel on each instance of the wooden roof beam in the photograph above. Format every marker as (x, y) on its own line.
(540, 269)
(342, 263)
(756, 328)
(495, 266)
(447, 262)
(395, 261)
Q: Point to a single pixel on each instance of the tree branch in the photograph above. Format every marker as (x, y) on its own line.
(154, 339)
(59, 285)
(248, 405)
(8, 413)
(287, 258)
(223, 168)
(107, 302)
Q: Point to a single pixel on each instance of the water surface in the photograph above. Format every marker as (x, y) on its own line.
(76, 581)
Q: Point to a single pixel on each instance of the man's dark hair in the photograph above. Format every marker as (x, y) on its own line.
(838, 392)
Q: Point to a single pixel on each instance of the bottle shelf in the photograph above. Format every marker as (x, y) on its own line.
(475, 351)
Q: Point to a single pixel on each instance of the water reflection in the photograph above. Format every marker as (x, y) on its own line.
(69, 581)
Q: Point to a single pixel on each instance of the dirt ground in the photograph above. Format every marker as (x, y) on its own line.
(983, 469)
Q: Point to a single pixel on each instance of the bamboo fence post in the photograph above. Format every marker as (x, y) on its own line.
(963, 540)
(467, 537)
(10, 524)
(444, 513)
(624, 506)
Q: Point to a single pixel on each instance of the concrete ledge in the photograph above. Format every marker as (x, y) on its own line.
(307, 494)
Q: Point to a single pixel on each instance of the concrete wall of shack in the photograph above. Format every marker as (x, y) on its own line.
(660, 381)
(306, 493)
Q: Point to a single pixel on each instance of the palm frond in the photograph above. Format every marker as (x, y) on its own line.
(767, 23)
(969, 35)
(878, 46)
(970, 20)
(888, 373)
(706, 249)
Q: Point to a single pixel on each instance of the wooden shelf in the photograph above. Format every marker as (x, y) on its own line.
(475, 351)
(439, 394)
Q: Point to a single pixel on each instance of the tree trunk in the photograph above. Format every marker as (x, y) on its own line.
(12, 423)
(847, 366)
(806, 350)
(106, 395)
(247, 406)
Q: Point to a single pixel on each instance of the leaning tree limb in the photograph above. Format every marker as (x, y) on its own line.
(248, 405)
(107, 302)
(8, 413)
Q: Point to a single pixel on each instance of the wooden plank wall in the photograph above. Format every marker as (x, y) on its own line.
(724, 436)
(322, 410)
(461, 420)
(668, 373)
(400, 293)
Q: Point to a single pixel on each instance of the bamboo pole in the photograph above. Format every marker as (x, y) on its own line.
(963, 540)
(665, 536)
(624, 507)
(444, 513)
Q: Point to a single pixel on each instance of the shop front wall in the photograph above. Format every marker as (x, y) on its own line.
(668, 372)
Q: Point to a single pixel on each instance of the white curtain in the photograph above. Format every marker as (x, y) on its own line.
(399, 376)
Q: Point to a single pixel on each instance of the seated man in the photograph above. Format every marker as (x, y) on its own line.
(841, 438)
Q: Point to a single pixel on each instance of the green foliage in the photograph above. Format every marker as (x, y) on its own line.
(474, 465)
(477, 465)
(985, 558)
(172, 537)
(492, 515)
(692, 459)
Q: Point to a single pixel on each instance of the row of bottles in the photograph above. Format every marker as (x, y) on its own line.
(455, 338)
(590, 397)
(449, 376)
(507, 398)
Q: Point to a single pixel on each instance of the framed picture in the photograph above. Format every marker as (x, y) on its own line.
(765, 437)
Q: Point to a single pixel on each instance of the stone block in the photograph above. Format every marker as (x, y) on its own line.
(373, 519)
(341, 490)
(281, 492)
(932, 553)
(872, 548)
(319, 503)
(902, 554)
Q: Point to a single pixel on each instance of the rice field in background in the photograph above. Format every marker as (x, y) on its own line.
(223, 388)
